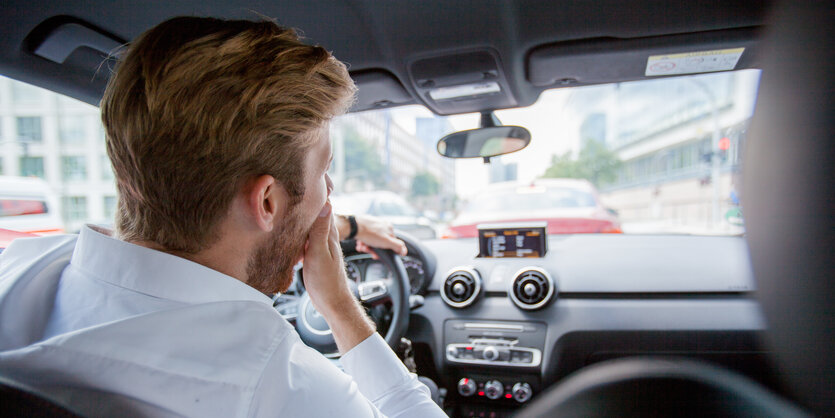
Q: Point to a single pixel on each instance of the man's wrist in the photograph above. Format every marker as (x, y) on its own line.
(342, 226)
(348, 323)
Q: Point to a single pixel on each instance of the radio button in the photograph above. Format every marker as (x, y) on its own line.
(491, 353)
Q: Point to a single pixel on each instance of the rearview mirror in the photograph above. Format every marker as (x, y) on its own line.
(484, 142)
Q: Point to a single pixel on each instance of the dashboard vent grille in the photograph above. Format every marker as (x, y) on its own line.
(461, 287)
(532, 288)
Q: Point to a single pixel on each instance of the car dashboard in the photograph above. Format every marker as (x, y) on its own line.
(496, 332)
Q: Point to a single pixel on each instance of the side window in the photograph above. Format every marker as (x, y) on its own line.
(74, 208)
(24, 94)
(61, 140)
(71, 130)
(106, 168)
(29, 129)
(109, 207)
(74, 168)
(31, 167)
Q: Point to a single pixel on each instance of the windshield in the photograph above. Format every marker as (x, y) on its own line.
(652, 156)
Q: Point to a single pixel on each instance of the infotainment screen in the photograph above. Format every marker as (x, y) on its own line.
(524, 240)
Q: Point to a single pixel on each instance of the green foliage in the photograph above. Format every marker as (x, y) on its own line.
(596, 163)
(425, 184)
(362, 162)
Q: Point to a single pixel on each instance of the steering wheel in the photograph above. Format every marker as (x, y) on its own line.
(316, 333)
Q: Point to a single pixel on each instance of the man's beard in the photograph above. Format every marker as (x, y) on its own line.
(270, 268)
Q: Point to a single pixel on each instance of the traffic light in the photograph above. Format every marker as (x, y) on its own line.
(724, 146)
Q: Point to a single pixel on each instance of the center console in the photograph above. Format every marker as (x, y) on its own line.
(496, 364)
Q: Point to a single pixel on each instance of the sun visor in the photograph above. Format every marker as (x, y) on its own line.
(73, 48)
(378, 89)
(608, 60)
(461, 82)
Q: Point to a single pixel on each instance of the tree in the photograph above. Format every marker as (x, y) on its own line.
(595, 163)
(425, 184)
(362, 162)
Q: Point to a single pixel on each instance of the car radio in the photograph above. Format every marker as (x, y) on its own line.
(493, 352)
(494, 343)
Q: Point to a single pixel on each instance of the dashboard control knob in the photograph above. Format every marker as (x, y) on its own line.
(493, 389)
(490, 353)
(452, 351)
(466, 387)
(521, 392)
(458, 289)
(529, 289)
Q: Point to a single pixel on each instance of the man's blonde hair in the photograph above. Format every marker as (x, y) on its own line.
(197, 106)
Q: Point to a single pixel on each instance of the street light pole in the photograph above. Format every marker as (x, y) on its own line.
(714, 150)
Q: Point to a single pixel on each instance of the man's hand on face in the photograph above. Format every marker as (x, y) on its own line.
(326, 282)
(324, 269)
(377, 233)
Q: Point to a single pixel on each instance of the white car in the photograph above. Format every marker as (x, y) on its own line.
(28, 204)
(389, 206)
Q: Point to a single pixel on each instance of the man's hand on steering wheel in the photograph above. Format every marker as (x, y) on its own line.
(372, 232)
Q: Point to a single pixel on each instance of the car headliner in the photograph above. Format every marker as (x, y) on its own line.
(381, 41)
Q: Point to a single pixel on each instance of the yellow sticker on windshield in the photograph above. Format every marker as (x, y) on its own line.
(693, 62)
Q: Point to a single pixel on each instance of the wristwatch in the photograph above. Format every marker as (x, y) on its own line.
(352, 221)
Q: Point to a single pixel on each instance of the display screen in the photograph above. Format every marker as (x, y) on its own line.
(502, 241)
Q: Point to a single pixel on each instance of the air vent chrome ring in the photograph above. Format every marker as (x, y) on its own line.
(461, 287)
(531, 288)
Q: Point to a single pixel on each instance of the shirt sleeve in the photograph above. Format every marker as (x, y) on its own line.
(299, 381)
(384, 380)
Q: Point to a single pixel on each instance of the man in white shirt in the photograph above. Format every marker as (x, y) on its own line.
(218, 135)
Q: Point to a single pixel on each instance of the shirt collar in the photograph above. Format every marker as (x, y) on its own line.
(155, 273)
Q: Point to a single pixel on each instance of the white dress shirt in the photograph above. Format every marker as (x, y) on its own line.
(112, 328)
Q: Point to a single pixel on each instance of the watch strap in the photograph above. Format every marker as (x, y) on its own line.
(352, 221)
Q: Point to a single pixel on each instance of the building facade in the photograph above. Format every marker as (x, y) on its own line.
(59, 139)
(402, 154)
(680, 167)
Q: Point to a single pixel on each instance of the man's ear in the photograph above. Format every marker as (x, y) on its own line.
(266, 201)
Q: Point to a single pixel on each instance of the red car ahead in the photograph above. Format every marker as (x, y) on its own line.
(569, 206)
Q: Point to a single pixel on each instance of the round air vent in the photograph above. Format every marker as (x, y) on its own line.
(461, 287)
(532, 288)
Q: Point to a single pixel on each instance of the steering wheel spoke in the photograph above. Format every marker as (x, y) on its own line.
(373, 293)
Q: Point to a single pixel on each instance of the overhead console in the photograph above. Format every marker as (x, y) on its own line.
(462, 82)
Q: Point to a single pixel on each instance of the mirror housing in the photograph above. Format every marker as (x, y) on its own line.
(484, 142)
